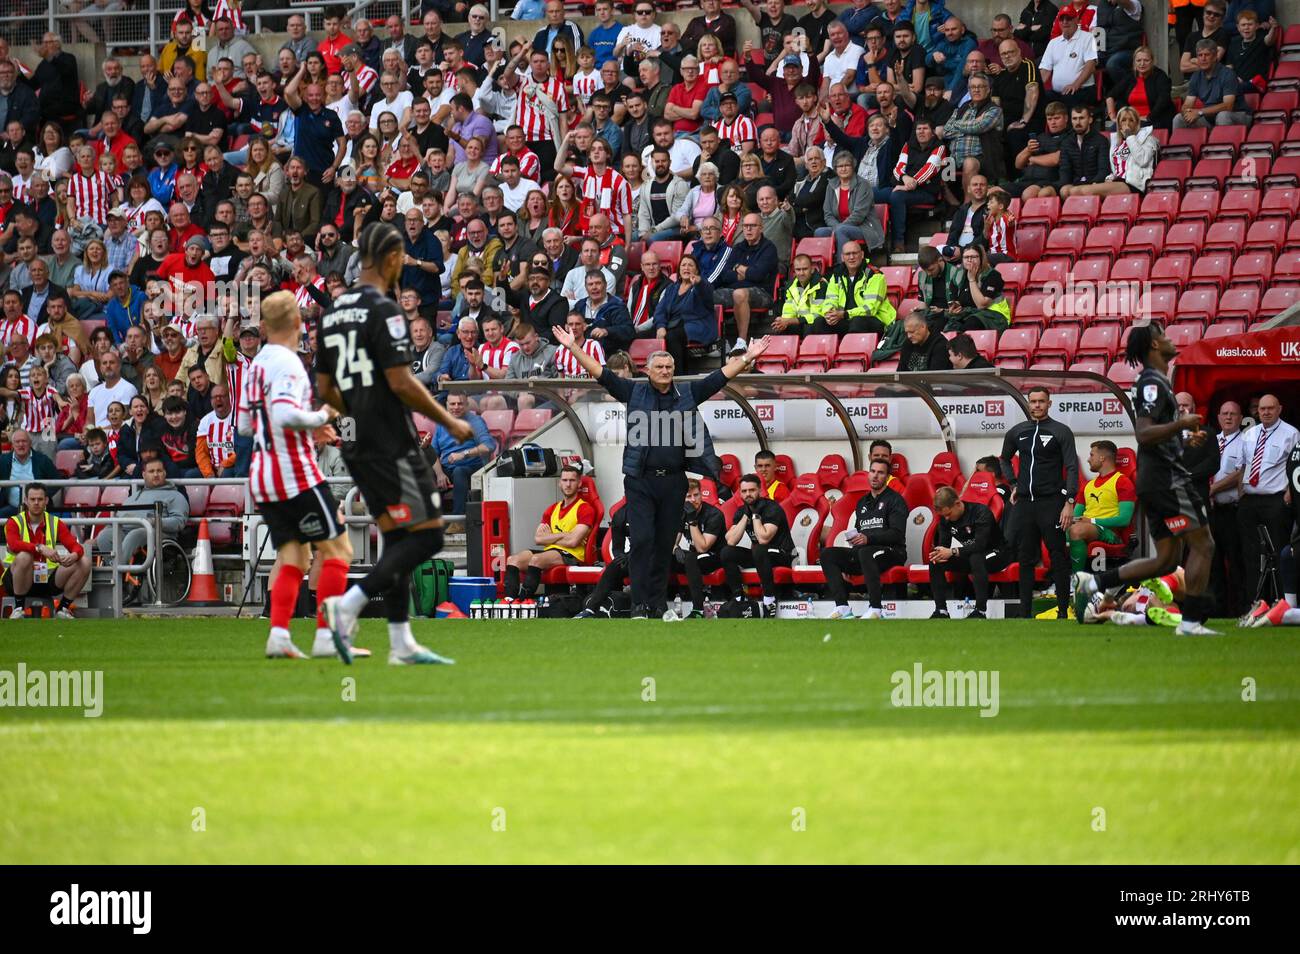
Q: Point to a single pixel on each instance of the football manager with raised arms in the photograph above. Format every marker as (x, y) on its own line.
(665, 438)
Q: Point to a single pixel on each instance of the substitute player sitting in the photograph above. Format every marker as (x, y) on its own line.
(561, 538)
(877, 542)
(289, 490)
(1106, 512)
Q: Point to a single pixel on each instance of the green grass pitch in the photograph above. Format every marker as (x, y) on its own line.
(764, 742)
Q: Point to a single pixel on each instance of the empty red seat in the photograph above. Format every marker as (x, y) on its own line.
(1018, 342)
(1091, 366)
(898, 280)
(855, 349)
(641, 348)
(1241, 204)
(1253, 268)
(817, 352)
(1286, 270)
(1122, 374)
(1225, 329)
(1211, 269)
(1047, 364)
(1049, 272)
(1267, 235)
(780, 355)
(1015, 276)
(1065, 242)
(1105, 241)
(1032, 308)
(1197, 304)
(1120, 209)
(1099, 341)
(670, 254)
(1277, 107)
(1146, 237)
(1241, 302)
(1185, 143)
(77, 498)
(1224, 142)
(1199, 205)
(1249, 172)
(1090, 270)
(1265, 139)
(1130, 268)
(986, 340)
(820, 250)
(1209, 172)
(1185, 237)
(1285, 172)
(1159, 207)
(1277, 300)
(1080, 210)
(1285, 76)
(529, 420)
(1030, 240)
(1291, 143)
(1170, 270)
(1226, 236)
(500, 423)
(1169, 176)
(1044, 211)
(66, 461)
(1159, 304)
(1280, 203)
(1058, 341)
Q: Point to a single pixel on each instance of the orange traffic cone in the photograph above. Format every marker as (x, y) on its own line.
(203, 582)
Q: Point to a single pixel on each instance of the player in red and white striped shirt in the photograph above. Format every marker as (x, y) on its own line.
(602, 189)
(288, 487)
(566, 363)
(733, 127)
(497, 350)
(91, 192)
(530, 167)
(231, 10)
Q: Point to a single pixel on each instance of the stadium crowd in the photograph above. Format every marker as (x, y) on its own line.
(639, 185)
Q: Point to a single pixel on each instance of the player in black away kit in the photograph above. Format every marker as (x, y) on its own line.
(1175, 513)
(363, 368)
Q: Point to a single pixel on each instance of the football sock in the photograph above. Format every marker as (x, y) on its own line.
(1194, 608)
(532, 580)
(512, 582)
(1171, 581)
(400, 638)
(1108, 579)
(403, 552)
(284, 596)
(279, 632)
(1291, 617)
(1078, 555)
(397, 601)
(769, 600)
(1290, 598)
(354, 600)
(333, 581)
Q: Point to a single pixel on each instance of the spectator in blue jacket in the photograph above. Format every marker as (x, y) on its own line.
(948, 55)
(125, 308)
(458, 460)
(462, 362)
(607, 317)
(686, 313)
(423, 263)
(927, 18)
(857, 17)
(751, 276)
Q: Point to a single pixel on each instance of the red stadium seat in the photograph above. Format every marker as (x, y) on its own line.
(1291, 144)
(76, 498)
(1170, 270)
(986, 340)
(1065, 242)
(898, 279)
(670, 255)
(898, 466)
(1266, 235)
(1200, 205)
(1225, 329)
(1285, 172)
(1032, 309)
(1048, 364)
(820, 250)
(1122, 374)
(1249, 172)
(1159, 304)
(1285, 76)
(786, 472)
(730, 472)
(1019, 343)
(1169, 176)
(817, 352)
(1146, 237)
(1058, 341)
(1099, 341)
(1030, 240)
(855, 351)
(1280, 203)
(781, 353)
(1225, 236)
(1278, 300)
(1242, 204)
(1183, 335)
(1080, 210)
(1277, 107)
(1090, 270)
(1049, 272)
(1197, 304)
(1044, 211)
(832, 472)
(1091, 366)
(1105, 241)
(1253, 268)
(1131, 268)
(1224, 142)
(640, 350)
(1240, 303)
(1186, 143)
(1185, 237)
(1119, 210)
(1159, 207)
(1212, 270)
(499, 424)
(66, 461)
(1015, 276)
(1264, 139)
(1286, 269)
(529, 420)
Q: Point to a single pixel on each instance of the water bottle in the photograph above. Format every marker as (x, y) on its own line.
(677, 606)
